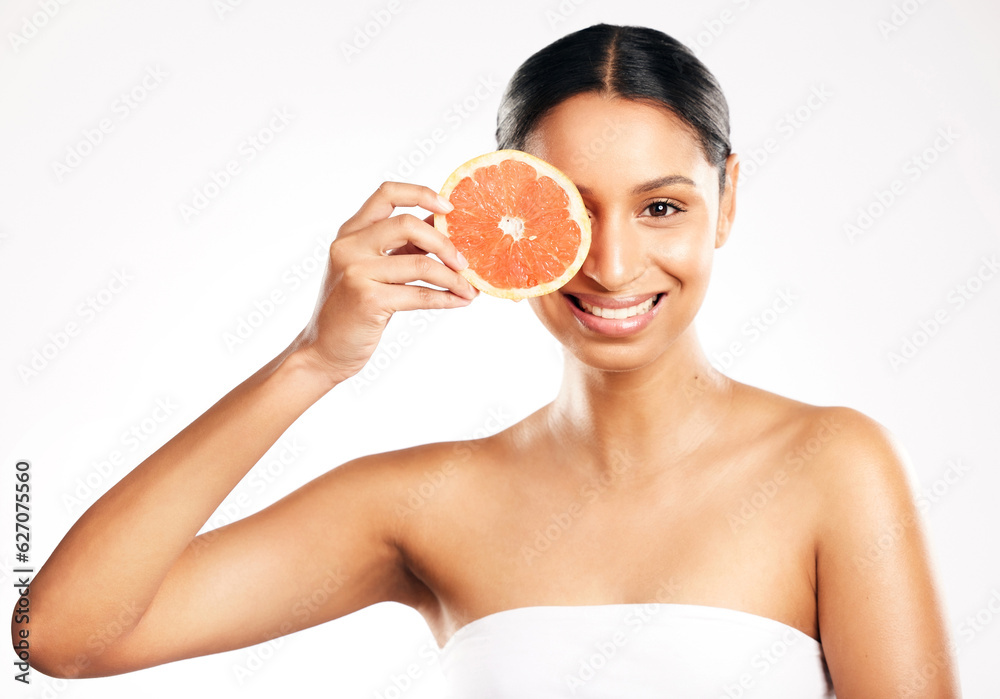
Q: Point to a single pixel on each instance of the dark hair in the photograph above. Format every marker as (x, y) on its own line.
(636, 63)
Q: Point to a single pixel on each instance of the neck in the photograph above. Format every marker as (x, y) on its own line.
(648, 418)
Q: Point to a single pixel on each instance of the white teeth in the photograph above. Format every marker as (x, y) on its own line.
(619, 313)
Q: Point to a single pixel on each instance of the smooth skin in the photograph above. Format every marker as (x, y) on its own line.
(680, 484)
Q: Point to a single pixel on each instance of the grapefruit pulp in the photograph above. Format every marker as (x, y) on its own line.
(519, 221)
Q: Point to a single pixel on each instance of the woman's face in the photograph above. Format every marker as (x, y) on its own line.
(656, 218)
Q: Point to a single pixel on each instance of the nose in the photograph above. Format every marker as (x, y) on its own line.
(616, 258)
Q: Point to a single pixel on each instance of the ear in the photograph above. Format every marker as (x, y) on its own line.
(727, 202)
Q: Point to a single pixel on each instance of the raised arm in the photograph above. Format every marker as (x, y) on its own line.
(131, 586)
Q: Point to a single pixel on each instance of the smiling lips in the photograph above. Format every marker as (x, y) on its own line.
(615, 308)
(619, 313)
(614, 317)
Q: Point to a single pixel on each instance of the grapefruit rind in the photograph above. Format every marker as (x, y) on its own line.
(577, 211)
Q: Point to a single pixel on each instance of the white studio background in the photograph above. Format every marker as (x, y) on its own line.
(868, 136)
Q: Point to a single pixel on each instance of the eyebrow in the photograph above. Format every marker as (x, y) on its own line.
(665, 181)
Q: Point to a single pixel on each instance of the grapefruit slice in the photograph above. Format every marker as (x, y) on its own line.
(519, 221)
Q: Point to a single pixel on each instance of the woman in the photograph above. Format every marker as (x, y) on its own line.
(658, 528)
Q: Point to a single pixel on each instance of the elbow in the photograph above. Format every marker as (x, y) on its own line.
(36, 650)
(19, 633)
(52, 662)
(57, 638)
(24, 643)
(30, 653)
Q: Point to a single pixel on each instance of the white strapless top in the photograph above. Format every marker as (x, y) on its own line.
(634, 651)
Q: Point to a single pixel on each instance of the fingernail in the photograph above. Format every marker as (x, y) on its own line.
(462, 262)
(445, 203)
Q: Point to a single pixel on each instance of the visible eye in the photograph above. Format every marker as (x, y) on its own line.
(662, 208)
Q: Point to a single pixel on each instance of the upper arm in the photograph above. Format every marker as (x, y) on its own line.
(322, 551)
(881, 622)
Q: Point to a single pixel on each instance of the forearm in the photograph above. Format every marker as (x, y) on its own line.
(118, 553)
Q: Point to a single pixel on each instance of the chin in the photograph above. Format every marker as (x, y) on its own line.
(606, 352)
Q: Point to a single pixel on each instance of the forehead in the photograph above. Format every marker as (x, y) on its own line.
(593, 138)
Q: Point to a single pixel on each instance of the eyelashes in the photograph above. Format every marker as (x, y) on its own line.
(664, 205)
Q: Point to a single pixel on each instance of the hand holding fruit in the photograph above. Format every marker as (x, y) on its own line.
(371, 262)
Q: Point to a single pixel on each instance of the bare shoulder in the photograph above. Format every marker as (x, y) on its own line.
(881, 620)
(861, 468)
(849, 468)
(408, 466)
(854, 459)
(839, 444)
(422, 477)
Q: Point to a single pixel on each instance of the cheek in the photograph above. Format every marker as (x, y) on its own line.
(688, 258)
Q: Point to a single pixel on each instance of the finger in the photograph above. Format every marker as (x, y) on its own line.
(390, 195)
(411, 297)
(395, 232)
(404, 269)
(410, 248)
